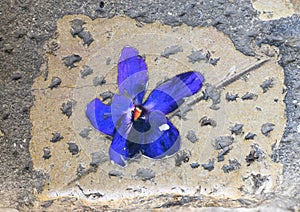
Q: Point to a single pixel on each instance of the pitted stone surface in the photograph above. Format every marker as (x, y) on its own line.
(152, 40)
(275, 9)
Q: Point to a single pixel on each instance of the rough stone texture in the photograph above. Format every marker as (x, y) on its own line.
(26, 26)
(224, 180)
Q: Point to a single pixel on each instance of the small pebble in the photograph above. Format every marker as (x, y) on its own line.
(194, 165)
(210, 165)
(223, 152)
(249, 96)
(233, 165)
(16, 76)
(114, 173)
(237, 129)
(251, 157)
(223, 141)
(66, 108)
(86, 36)
(106, 95)
(86, 71)
(98, 158)
(250, 136)
(47, 153)
(55, 82)
(267, 84)
(231, 97)
(56, 137)
(267, 128)
(171, 50)
(99, 80)
(205, 121)
(77, 26)
(70, 60)
(182, 156)
(191, 136)
(108, 60)
(197, 56)
(73, 148)
(214, 61)
(85, 133)
(78, 30)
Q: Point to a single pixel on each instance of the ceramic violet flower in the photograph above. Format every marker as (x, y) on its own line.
(137, 126)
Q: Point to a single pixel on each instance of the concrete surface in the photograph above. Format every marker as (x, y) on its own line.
(34, 39)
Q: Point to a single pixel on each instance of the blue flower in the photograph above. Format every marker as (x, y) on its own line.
(141, 127)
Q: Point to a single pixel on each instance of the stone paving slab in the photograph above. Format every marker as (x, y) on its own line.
(70, 173)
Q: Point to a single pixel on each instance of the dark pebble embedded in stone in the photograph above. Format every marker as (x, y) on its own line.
(233, 165)
(237, 129)
(210, 165)
(66, 108)
(213, 61)
(56, 137)
(114, 173)
(182, 156)
(250, 136)
(214, 94)
(223, 152)
(231, 97)
(85, 133)
(99, 80)
(78, 29)
(249, 96)
(108, 60)
(16, 76)
(194, 165)
(86, 71)
(47, 204)
(77, 26)
(86, 36)
(101, 4)
(205, 121)
(267, 128)
(191, 136)
(258, 151)
(73, 148)
(145, 174)
(171, 50)
(267, 84)
(98, 158)
(47, 153)
(251, 157)
(55, 82)
(223, 141)
(70, 60)
(106, 95)
(197, 56)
